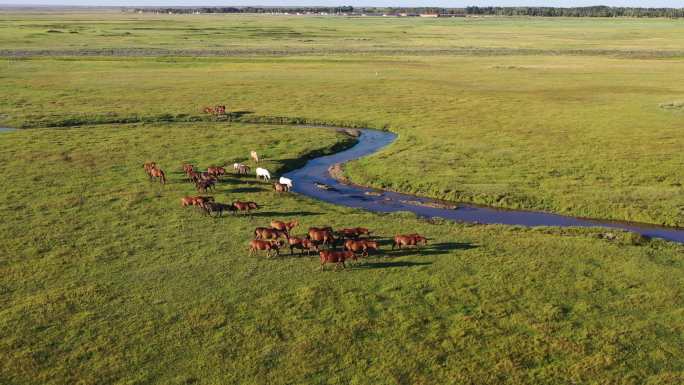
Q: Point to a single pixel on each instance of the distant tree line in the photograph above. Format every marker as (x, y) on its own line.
(595, 11)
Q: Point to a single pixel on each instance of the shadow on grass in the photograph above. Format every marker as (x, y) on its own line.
(430, 249)
(283, 213)
(388, 264)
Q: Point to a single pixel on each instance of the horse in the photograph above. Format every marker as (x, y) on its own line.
(336, 257)
(408, 240)
(254, 156)
(211, 207)
(269, 246)
(158, 173)
(208, 110)
(268, 233)
(301, 244)
(262, 172)
(321, 236)
(220, 110)
(245, 206)
(284, 226)
(353, 233)
(242, 169)
(279, 187)
(188, 168)
(204, 185)
(195, 200)
(216, 171)
(148, 166)
(360, 245)
(286, 181)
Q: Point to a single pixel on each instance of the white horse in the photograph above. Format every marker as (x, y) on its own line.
(262, 172)
(236, 166)
(253, 155)
(286, 181)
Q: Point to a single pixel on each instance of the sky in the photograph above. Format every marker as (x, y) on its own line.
(403, 3)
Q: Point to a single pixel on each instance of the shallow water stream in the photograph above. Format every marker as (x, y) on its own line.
(330, 190)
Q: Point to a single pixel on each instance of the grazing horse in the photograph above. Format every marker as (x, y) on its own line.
(354, 232)
(216, 171)
(284, 226)
(324, 236)
(408, 240)
(254, 156)
(158, 173)
(286, 181)
(268, 233)
(336, 257)
(245, 206)
(269, 246)
(301, 244)
(279, 187)
(220, 110)
(263, 173)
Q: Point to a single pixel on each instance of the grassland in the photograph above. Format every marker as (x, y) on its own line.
(105, 279)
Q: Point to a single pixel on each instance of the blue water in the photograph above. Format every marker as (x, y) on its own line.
(371, 141)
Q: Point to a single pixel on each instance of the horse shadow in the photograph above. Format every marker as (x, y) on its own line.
(390, 264)
(285, 213)
(240, 190)
(430, 249)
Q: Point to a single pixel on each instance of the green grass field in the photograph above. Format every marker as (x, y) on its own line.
(105, 279)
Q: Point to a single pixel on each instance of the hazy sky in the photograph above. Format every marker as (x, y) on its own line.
(438, 3)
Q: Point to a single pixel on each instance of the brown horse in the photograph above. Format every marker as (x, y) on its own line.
(408, 240)
(245, 206)
(269, 246)
(148, 166)
(336, 257)
(280, 188)
(158, 173)
(267, 233)
(301, 244)
(188, 168)
(216, 171)
(195, 200)
(362, 245)
(323, 236)
(284, 226)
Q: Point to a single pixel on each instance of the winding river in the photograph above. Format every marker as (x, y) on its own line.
(310, 179)
(314, 180)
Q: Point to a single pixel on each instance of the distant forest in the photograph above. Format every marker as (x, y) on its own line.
(596, 11)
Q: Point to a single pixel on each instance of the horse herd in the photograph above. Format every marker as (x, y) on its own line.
(355, 242)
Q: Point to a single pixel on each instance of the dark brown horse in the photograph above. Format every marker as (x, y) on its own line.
(214, 207)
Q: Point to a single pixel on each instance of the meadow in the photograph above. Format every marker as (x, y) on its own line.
(105, 279)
